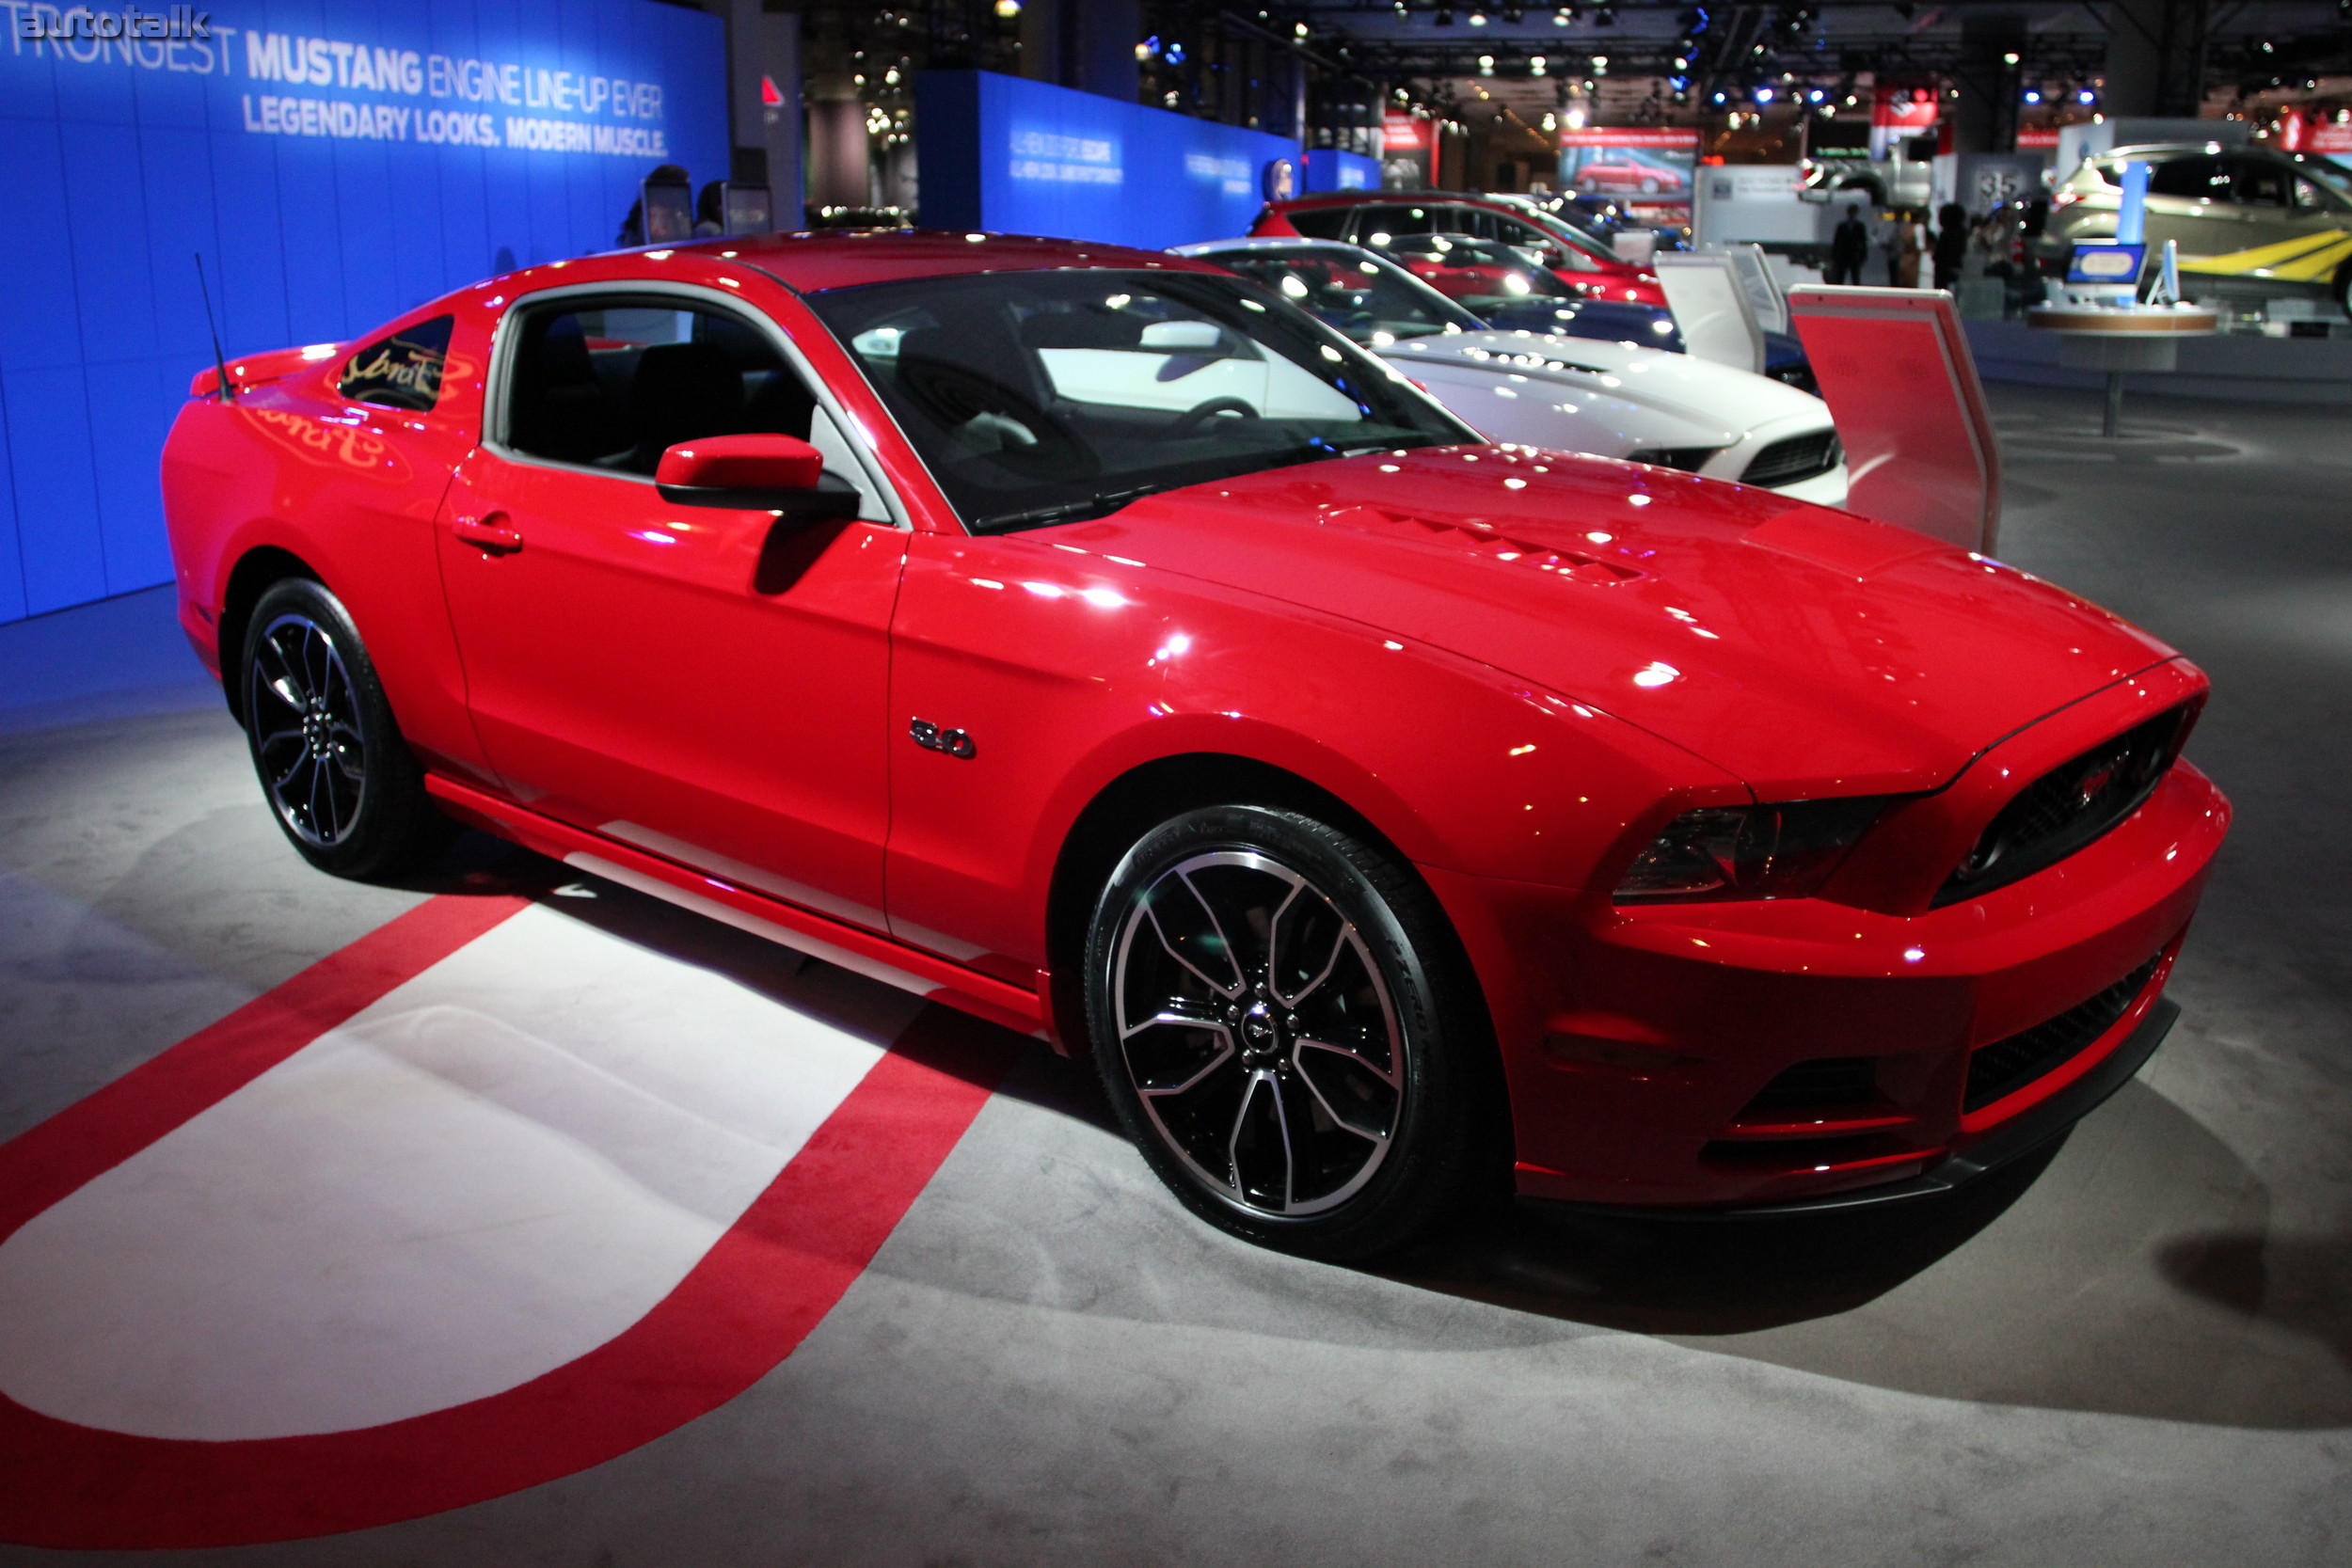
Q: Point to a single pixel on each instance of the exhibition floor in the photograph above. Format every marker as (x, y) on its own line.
(537, 1101)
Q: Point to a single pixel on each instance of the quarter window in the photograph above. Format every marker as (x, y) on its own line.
(403, 370)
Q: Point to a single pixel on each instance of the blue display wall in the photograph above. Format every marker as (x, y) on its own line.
(1021, 157)
(1328, 168)
(335, 163)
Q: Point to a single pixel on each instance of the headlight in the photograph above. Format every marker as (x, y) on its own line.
(1771, 851)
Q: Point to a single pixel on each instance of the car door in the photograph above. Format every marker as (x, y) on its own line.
(2262, 194)
(709, 684)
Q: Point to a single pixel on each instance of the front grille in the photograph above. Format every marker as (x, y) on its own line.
(1825, 1083)
(1689, 459)
(2068, 807)
(1798, 457)
(2009, 1065)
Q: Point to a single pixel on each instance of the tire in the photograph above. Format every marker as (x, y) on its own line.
(1649, 187)
(1339, 1112)
(338, 776)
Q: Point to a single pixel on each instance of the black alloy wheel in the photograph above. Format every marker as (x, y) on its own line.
(340, 781)
(1289, 1033)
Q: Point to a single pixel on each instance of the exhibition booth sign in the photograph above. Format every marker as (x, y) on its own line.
(331, 166)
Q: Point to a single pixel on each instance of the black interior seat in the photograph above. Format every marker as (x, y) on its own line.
(681, 391)
(559, 409)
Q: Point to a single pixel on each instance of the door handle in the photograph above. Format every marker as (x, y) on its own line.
(489, 532)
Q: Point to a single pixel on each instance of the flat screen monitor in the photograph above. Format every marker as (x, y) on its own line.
(2106, 264)
(747, 209)
(668, 212)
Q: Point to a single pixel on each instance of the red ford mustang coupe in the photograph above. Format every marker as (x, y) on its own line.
(1087, 640)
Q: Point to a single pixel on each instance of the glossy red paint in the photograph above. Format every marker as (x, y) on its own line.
(1516, 666)
(1602, 276)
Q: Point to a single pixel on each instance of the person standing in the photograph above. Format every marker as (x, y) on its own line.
(1848, 247)
(1951, 242)
(1905, 244)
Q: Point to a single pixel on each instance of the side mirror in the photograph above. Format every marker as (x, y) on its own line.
(764, 473)
(1181, 337)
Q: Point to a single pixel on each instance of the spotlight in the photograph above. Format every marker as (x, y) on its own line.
(1443, 19)
(2085, 95)
(1605, 17)
(2032, 97)
(1538, 65)
(1486, 65)
(1763, 95)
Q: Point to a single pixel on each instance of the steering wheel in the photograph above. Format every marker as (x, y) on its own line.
(1191, 419)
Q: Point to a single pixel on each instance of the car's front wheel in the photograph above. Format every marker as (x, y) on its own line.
(1288, 1031)
(339, 778)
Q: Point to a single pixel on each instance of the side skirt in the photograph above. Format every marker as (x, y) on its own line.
(850, 947)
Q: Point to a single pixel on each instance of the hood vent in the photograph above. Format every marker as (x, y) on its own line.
(1482, 539)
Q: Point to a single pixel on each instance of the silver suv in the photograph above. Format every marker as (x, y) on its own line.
(2216, 202)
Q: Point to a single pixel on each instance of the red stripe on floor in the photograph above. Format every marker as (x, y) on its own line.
(94, 1135)
(745, 1308)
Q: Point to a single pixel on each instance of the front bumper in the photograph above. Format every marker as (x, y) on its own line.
(1638, 1042)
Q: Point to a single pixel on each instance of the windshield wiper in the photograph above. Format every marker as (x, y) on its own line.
(1067, 512)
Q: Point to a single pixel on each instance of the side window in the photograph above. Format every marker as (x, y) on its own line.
(403, 370)
(2194, 177)
(616, 383)
(2257, 183)
(1384, 223)
(1322, 223)
(1475, 221)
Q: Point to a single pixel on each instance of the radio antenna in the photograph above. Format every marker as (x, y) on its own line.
(228, 393)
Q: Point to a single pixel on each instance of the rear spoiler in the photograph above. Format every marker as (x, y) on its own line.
(255, 369)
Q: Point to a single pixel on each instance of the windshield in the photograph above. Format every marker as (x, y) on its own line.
(1567, 234)
(1372, 301)
(1486, 277)
(2322, 171)
(1040, 397)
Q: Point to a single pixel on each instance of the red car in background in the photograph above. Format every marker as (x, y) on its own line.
(1627, 175)
(1377, 218)
(1090, 641)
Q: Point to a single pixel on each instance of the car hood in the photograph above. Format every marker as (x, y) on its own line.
(1805, 650)
(1680, 385)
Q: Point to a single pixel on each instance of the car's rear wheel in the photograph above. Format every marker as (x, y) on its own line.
(1286, 1027)
(340, 781)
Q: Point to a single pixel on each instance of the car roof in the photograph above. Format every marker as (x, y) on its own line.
(1357, 198)
(845, 258)
(1264, 242)
(2175, 148)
